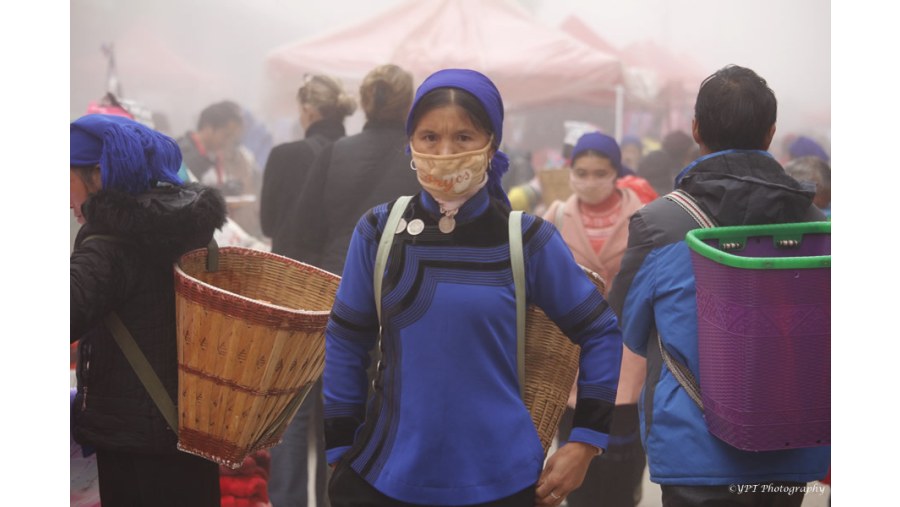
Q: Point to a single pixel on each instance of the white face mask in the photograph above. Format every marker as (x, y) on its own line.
(592, 191)
(452, 177)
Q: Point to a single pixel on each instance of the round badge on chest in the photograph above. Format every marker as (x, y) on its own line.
(401, 226)
(415, 227)
(447, 224)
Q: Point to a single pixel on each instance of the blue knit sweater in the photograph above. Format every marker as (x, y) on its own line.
(446, 425)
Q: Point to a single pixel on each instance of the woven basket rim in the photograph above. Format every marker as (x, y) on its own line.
(179, 272)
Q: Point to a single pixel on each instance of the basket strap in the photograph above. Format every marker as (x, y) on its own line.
(384, 247)
(104, 237)
(142, 368)
(560, 216)
(516, 258)
(212, 256)
(689, 204)
(682, 374)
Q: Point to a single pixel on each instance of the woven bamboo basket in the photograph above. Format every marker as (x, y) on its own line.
(551, 366)
(554, 185)
(250, 345)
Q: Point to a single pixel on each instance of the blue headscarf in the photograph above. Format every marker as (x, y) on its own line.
(804, 147)
(601, 143)
(487, 94)
(635, 140)
(132, 157)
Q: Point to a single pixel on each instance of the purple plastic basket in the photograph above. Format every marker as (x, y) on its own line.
(764, 325)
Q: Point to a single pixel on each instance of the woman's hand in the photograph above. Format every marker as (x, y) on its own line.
(563, 473)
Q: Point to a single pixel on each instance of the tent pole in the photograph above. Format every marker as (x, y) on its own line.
(620, 109)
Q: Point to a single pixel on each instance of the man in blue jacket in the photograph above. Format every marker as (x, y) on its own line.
(735, 182)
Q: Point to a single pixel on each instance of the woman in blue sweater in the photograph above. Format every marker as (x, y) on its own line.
(446, 424)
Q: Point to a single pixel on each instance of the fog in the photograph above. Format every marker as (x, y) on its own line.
(176, 57)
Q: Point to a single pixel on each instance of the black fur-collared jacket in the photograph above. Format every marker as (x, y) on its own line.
(127, 267)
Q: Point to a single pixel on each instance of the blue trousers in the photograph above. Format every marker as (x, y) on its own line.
(288, 475)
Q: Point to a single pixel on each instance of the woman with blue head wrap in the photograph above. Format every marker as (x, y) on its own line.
(138, 220)
(446, 424)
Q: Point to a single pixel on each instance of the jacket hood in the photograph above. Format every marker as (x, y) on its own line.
(743, 187)
(165, 222)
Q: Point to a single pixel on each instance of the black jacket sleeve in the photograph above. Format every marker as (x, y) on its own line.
(98, 280)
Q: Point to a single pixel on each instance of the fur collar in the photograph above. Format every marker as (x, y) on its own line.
(165, 222)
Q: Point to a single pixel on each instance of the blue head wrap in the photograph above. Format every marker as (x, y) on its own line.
(635, 140)
(131, 156)
(804, 147)
(487, 94)
(601, 143)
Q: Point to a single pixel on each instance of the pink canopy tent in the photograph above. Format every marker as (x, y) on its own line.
(151, 71)
(660, 86)
(532, 64)
(578, 29)
(669, 67)
(675, 80)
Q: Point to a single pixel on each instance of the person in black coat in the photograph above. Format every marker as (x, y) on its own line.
(323, 108)
(138, 220)
(358, 172)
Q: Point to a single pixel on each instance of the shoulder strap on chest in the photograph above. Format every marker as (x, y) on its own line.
(142, 369)
(560, 216)
(517, 259)
(384, 247)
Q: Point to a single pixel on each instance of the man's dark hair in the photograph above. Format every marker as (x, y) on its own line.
(220, 114)
(735, 109)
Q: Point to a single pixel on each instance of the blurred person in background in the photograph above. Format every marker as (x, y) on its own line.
(219, 128)
(632, 151)
(531, 196)
(594, 224)
(138, 220)
(357, 172)
(659, 167)
(243, 180)
(813, 169)
(323, 107)
(804, 146)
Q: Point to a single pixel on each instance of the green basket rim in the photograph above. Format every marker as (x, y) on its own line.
(739, 234)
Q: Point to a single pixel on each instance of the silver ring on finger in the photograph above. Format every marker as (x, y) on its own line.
(554, 496)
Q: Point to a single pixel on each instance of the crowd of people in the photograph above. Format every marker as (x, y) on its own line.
(420, 400)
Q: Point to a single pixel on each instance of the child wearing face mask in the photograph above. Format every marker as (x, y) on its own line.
(593, 222)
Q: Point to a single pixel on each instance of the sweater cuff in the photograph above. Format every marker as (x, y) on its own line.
(594, 414)
(333, 455)
(591, 437)
(340, 431)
